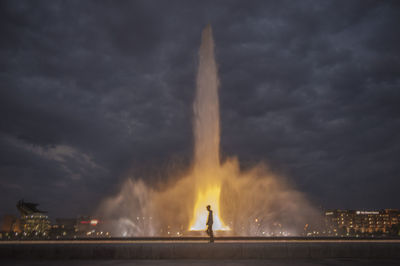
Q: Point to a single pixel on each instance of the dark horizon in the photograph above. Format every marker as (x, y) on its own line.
(95, 92)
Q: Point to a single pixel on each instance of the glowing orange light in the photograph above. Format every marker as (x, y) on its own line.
(94, 222)
(200, 214)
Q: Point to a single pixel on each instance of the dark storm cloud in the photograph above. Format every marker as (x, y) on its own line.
(91, 90)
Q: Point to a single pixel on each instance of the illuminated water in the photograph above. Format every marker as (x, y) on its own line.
(246, 203)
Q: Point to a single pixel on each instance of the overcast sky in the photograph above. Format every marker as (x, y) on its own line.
(93, 91)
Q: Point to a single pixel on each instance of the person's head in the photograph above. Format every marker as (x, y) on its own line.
(208, 207)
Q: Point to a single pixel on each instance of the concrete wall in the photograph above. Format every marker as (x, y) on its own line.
(191, 250)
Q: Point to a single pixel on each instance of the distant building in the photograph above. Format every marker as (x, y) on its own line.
(81, 227)
(64, 228)
(34, 222)
(353, 222)
(90, 227)
(11, 224)
(10, 227)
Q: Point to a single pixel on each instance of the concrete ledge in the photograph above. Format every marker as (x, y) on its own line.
(192, 250)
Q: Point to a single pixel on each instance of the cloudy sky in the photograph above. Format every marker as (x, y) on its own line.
(93, 91)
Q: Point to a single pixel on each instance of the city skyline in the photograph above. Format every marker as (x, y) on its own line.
(37, 224)
(94, 93)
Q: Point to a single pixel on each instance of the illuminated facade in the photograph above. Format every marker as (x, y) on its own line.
(353, 222)
(87, 226)
(64, 228)
(34, 222)
(81, 227)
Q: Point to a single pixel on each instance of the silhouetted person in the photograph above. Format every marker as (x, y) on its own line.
(210, 224)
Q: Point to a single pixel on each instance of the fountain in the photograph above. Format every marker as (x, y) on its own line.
(246, 203)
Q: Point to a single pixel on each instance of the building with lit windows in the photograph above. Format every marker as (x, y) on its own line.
(64, 228)
(87, 226)
(353, 222)
(34, 222)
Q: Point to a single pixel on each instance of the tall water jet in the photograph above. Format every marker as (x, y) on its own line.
(207, 137)
(206, 107)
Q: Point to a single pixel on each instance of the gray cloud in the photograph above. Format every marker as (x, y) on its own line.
(310, 87)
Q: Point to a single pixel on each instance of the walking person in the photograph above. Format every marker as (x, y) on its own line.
(210, 224)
